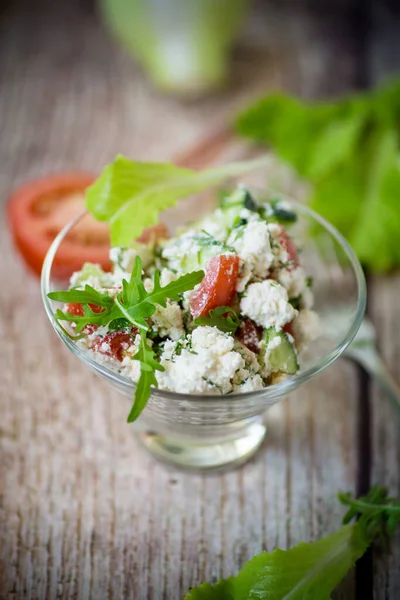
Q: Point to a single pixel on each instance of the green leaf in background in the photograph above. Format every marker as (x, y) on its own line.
(376, 234)
(310, 571)
(130, 194)
(349, 151)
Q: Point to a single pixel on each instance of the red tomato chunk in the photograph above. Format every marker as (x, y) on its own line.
(218, 285)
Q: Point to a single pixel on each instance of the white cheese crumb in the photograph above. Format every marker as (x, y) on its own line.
(306, 327)
(281, 255)
(207, 363)
(254, 250)
(93, 275)
(294, 280)
(168, 321)
(267, 304)
(167, 277)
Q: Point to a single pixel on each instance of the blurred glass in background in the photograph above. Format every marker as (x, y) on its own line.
(183, 45)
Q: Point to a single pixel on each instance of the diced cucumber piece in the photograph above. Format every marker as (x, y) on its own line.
(198, 260)
(279, 352)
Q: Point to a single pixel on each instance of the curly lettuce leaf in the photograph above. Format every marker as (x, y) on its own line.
(130, 194)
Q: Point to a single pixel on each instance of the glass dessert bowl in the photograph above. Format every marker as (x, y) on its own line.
(209, 432)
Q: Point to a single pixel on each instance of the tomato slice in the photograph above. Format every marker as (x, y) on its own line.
(38, 210)
(250, 335)
(217, 287)
(287, 244)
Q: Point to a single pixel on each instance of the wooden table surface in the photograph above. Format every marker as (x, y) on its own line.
(85, 513)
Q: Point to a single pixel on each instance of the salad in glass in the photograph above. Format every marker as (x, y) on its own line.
(224, 306)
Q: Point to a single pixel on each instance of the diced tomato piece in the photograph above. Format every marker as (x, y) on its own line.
(76, 309)
(288, 328)
(217, 287)
(250, 334)
(287, 244)
(115, 344)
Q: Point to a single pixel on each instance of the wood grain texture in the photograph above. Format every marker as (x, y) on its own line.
(385, 312)
(85, 513)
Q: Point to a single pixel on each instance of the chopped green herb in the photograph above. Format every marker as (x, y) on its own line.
(207, 240)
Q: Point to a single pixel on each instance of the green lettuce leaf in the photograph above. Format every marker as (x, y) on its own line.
(349, 150)
(130, 194)
(310, 571)
(376, 233)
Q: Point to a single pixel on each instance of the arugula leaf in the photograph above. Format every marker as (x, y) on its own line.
(311, 570)
(223, 317)
(132, 306)
(349, 150)
(130, 194)
(148, 366)
(86, 296)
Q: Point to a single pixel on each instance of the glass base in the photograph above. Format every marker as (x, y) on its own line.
(206, 454)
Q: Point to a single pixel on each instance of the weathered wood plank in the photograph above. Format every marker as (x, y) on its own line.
(85, 513)
(385, 312)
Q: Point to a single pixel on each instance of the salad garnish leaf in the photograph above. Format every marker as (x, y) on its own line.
(130, 194)
(310, 570)
(132, 306)
(223, 317)
(148, 366)
(349, 150)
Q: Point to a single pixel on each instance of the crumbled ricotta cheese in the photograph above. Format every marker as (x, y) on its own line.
(167, 277)
(205, 364)
(250, 385)
(281, 256)
(92, 275)
(254, 250)
(123, 260)
(307, 298)
(306, 326)
(293, 279)
(168, 321)
(267, 304)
